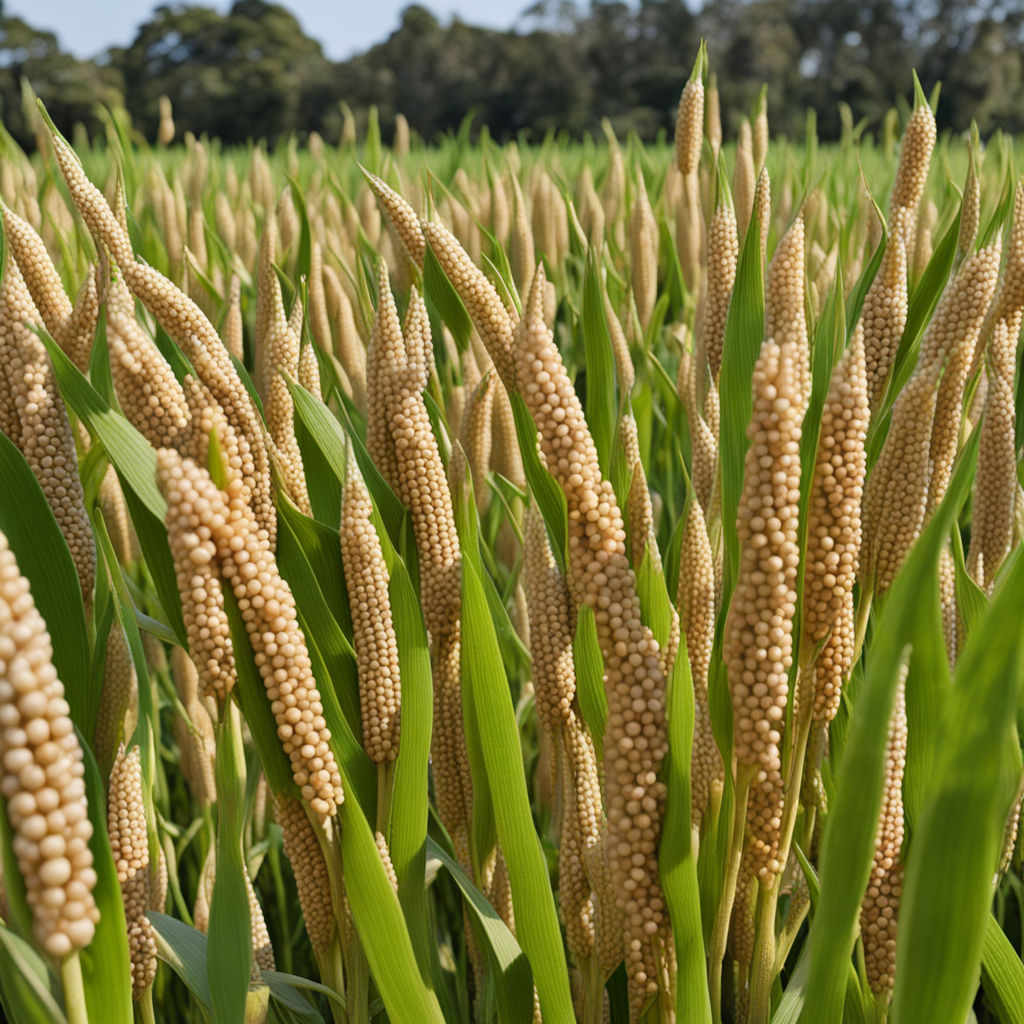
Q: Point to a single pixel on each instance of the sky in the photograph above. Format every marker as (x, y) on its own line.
(345, 27)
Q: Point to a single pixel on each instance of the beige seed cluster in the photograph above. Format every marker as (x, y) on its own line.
(147, 390)
(758, 644)
(896, 496)
(635, 741)
(834, 528)
(697, 608)
(72, 328)
(119, 683)
(310, 870)
(551, 626)
(884, 316)
(194, 733)
(129, 844)
(476, 436)
(277, 352)
(233, 328)
(41, 276)
(262, 950)
(183, 320)
(973, 290)
(36, 420)
(970, 210)
(639, 511)
(992, 517)
(42, 778)
(194, 551)
(385, 856)
(643, 253)
(880, 908)
(690, 126)
(491, 319)
(723, 251)
(403, 218)
(387, 350)
(366, 577)
(912, 170)
(703, 434)
(744, 177)
(785, 319)
(423, 488)
(267, 608)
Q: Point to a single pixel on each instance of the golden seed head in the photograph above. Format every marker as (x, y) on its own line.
(310, 870)
(758, 644)
(635, 741)
(42, 776)
(880, 908)
(834, 527)
(690, 127)
(373, 633)
(884, 316)
(915, 157)
(129, 845)
(485, 308)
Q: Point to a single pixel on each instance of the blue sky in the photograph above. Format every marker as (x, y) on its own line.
(344, 27)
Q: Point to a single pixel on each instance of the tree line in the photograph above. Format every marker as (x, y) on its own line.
(252, 73)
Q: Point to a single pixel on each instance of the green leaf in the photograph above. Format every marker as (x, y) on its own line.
(442, 300)
(955, 850)
(589, 665)
(543, 486)
(494, 721)
(183, 948)
(106, 967)
(744, 330)
(45, 561)
(380, 925)
(600, 408)
(129, 451)
(677, 865)
(229, 949)
(1002, 975)
(512, 976)
(24, 983)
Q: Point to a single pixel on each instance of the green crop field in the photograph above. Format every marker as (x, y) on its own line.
(474, 582)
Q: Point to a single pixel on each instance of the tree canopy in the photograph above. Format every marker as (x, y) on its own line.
(253, 73)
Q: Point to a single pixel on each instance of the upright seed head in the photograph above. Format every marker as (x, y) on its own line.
(758, 645)
(697, 611)
(744, 177)
(915, 157)
(690, 124)
(42, 775)
(834, 528)
(129, 844)
(880, 908)
(884, 316)
(723, 255)
(785, 319)
(635, 742)
(310, 869)
(643, 248)
(366, 577)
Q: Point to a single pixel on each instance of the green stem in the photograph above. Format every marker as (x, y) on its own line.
(593, 990)
(74, 989)
(720, 930)
(863, 613)
(145, 1005)
(357, 995)
(768, 896)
